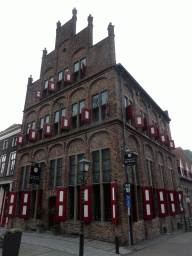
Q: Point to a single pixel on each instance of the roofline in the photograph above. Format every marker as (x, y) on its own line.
(122, 69)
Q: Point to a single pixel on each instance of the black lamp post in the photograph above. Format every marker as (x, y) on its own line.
(84, 165)
(180, 188)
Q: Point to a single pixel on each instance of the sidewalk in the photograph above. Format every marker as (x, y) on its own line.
(46, 244)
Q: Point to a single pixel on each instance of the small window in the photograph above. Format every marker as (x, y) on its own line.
(60, 76)
(5, 145)
(46, 84)
(81, 105)
(95, 100)
(47, 119)
(76, 67)
(51, 78)
(14, 142)
(104, 96)
(2, 165)
(74, 109)
(63, 112)
(57, 117)
(41, 123)
(12, 163)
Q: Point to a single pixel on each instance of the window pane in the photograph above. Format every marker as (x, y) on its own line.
(51, 173)
(59, 172)
(47, 119)
(81, 105)
(84, 61)
(57, 117)
(96, 167)
(125, 101)
(27, 174)
(46, 84)
(104, 96)
(74, 109)
(79, 174)
(72, 170)
(60, 76)
(42, 166)
(76, 67)
(41, 123)
(106, 165)
(63, 112)
(33, 125)
(95, 101)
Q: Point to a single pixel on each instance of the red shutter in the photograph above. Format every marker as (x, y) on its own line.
(68, 77)
(11, 204)
(25, 204)
(38, 94)
(179, 197)
(52, 86)
(87, 203)
(162, 202)
(20, 139)
(61, 200)
(47, 129)
(65, 123)
(145, 125)
(83, 68)
(172, 202)
(114, 203)
(86, 115)
(152, 131)
(148, 212)
(129, 112)
(139, 121)
(163, 138)
(32, 135)
(171, 144)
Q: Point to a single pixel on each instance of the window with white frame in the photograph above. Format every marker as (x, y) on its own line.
(55, 172)
(76, 114)
(12, 160)
(30, 125)
(2, 165)
(5, 144)
(77, 69)
(99, 102)
(14, 142)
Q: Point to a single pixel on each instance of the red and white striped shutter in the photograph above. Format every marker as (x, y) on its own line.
(172, 202)
(61, 200)
(171, 144)
(162, 202)
(32, 135)
(87, 203)
(47, 129)
(52, 86)
(152, 130)
(86, 115)
(129, 112)
(20, 139)
(148, 211)
(68, 77)
(114, 203)
(139, 121)
(38, 94)
(11, 204)
(179, 197)
(65, 123)
(25, 204)
(163, 138)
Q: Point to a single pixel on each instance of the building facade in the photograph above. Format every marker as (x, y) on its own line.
(8, 155)
(84, 104)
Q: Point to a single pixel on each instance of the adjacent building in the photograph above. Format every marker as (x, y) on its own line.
(8, 154)
(86, 105)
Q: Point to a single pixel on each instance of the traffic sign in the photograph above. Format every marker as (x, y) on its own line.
(128, 199)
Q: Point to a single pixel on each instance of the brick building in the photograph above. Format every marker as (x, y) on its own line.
(184, 167)
(86, 104)
(8, 155)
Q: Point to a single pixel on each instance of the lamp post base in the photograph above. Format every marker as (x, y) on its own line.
(81, 244)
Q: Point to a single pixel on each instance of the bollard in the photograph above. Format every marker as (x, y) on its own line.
(117, 244)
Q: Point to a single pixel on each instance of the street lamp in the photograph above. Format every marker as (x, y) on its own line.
(84, 165)
(180, 188)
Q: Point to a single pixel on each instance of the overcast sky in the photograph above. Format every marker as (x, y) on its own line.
(153, 42)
